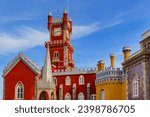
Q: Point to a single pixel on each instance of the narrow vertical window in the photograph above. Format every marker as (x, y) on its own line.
(135, 88)
(81, 80)
(19, 91)
(102, 94)
(68, 80)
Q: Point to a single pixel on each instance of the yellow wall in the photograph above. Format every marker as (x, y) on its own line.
(113, 91)
(124, 95)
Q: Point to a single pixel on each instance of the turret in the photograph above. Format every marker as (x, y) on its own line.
(101, 65)
(65, 17)
(49, 21)
(70, 21)
(112, 60)
(126, 51)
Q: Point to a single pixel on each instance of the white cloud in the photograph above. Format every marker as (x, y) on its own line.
(27, 38)
(82, 31)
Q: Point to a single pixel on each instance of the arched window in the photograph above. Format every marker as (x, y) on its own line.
(68, 80)
(68, 96)
(81, 96)
(55, 80)
(102, 94)
(93, 97)
(19, 91)
(56, 55)
(135, 88)
(81, 80)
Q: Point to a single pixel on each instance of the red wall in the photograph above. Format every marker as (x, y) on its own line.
(88, 78)
(20, 73)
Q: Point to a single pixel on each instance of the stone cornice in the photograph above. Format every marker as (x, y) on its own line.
(142, 56)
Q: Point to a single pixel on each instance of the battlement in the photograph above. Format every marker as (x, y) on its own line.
(74, 71)
(24, 58)
(57, 20)
(110, 73)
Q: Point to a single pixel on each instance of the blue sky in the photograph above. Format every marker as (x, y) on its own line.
(100, 27)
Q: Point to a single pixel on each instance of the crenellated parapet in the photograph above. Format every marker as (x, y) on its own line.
(109, 75)
(74, 71)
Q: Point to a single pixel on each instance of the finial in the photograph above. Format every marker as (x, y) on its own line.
(70, 19)
(50, 14)
(65, 11)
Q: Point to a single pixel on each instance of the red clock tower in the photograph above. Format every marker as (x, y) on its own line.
(60, 47)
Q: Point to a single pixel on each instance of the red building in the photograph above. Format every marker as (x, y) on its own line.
(58, 79)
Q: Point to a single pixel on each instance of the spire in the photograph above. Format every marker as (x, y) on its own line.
(47, 70)
(70, 19)
(50, 13)
(65, 11)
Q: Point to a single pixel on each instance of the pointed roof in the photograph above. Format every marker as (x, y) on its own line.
(47, 69)
(21, 57)
(50, 13)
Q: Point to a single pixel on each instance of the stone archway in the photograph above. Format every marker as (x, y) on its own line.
(43, 96)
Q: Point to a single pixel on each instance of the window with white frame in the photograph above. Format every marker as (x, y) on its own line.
(68, 96)
(93, 97)
(81, 96)
(56, 55)
(81, 80)
(55, 80)
(135, 88)
(19, 90)
(68, 80)
(102, 94)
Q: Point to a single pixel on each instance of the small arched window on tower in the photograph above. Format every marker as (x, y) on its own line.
(81, 80)
(56, 55)
(81, 96)
(68, 80)
(19, 92)
(68, 96)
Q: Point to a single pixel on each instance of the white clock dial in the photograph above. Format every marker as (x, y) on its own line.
(57, 31)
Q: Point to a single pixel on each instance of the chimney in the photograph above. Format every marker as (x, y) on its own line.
(101, 65)
(112, 60)
(126, 51)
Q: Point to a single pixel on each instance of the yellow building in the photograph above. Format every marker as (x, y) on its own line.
(109, 81)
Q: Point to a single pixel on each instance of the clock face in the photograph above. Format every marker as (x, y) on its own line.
(57, 31)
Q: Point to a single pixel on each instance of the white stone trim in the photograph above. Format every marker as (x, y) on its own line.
(26, 60)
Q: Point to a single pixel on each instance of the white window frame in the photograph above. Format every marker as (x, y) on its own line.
(21, 93)
(81, 80)
(102, 94)
(68, 80)
(81, 96)
(67, 96)
(135, 88)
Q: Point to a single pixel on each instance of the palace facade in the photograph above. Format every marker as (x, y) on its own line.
(60, 80)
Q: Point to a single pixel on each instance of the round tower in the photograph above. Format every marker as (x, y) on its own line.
(49, 21)
(101, 65)
(126, 51)
(112, 60)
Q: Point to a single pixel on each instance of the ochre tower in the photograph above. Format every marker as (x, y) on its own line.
(60, 47)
